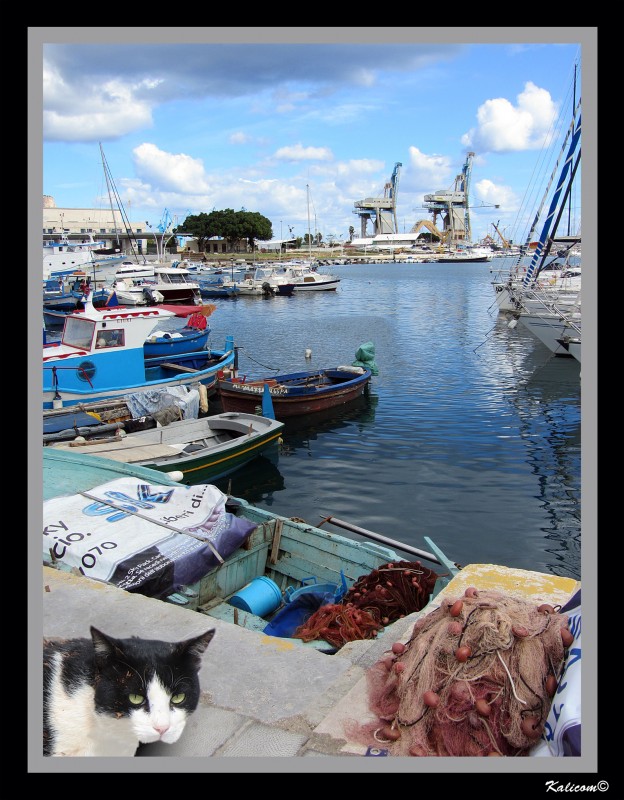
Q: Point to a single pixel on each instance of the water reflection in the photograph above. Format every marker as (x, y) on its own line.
(470, 433)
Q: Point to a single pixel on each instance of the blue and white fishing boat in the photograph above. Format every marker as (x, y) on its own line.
(101, 355)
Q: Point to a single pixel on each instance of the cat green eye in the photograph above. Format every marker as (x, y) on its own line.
(136, 699)
(178, 698)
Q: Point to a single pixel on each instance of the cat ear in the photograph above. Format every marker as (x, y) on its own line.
(103, 644)
(196, 646)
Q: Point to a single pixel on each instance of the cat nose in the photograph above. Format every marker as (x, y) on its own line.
(161, 728)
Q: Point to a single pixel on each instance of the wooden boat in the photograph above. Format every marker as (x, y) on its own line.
(192, 450)
(138, 541)
(100, 355)
(296, 393)
(191, 337)
(147, 526)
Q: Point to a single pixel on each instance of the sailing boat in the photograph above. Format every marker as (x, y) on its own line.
(302, 274)
(550, 308)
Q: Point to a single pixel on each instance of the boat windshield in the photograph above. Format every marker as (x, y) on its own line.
(78, 332)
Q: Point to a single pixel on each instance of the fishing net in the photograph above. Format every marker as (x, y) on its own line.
(375, 600)
(476, 678)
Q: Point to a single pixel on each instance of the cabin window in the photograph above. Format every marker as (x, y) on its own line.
(78, 333)
(113, 337)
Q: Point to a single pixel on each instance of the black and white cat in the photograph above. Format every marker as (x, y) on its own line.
(103, 696)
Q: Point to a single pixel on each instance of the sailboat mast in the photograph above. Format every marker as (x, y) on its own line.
(108, 187)
(309, 239)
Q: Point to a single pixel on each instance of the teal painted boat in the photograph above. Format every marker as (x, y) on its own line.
(118, 522)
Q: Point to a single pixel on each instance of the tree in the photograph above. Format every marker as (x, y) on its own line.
(233, 226)
(351, 232)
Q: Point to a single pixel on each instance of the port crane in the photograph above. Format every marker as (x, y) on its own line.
(380, 211)
(452, 206)
(505, 242)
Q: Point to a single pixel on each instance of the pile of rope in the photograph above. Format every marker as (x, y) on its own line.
(476, 678)
(375, 600)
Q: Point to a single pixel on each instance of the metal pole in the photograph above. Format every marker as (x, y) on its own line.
(378, 537)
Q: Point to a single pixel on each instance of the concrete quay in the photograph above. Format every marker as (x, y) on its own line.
(266, 701)
(263, 698)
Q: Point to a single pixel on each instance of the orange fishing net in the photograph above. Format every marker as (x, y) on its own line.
(476, 678)
(375, 600)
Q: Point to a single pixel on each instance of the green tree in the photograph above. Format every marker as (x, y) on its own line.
(351, 232)
(233, 226)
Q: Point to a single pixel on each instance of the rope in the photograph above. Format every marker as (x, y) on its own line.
(264, 366)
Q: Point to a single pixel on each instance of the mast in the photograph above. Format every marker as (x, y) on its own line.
(110, 197)
(309, 240)
(555, 200)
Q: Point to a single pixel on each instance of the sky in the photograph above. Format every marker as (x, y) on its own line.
(299, 128)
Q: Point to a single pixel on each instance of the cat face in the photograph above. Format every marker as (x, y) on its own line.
(104, 696)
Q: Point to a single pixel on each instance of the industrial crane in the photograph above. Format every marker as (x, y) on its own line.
(505, 242)
(380, 210)
(451, 203)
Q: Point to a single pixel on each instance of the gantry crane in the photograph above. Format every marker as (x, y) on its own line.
(452, 205)
(381, 211)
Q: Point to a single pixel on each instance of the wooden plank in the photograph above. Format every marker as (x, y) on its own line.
(279, 524)
(177, 367)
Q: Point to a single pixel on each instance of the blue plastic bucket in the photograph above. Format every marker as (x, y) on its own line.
(260, 597)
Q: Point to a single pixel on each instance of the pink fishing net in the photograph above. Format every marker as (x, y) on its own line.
(476, 678)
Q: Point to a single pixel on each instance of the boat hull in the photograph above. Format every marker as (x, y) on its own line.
(291, 397)
(203, 449)
(188, 340)
(81, 380)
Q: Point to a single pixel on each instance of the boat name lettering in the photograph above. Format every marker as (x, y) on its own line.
(276, 390)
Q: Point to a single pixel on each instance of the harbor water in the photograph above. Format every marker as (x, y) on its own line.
(470, 434)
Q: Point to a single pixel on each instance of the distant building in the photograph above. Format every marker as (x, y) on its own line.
(102, 225)
(97, 222)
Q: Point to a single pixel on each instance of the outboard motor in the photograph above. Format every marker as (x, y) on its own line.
(267, 288)
(152, 296)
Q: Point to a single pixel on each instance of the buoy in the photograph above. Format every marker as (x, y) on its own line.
(176, 475)
(308, 353)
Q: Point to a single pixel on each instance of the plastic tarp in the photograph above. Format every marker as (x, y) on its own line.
(365, 357)
(562, 731)
(144, 538)
(141, 404)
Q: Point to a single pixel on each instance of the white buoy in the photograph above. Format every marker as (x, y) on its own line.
(176, 475)
(308, 353)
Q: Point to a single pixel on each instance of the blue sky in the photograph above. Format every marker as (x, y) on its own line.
(189, 127)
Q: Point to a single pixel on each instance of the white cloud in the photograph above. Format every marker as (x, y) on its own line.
(239, 138)
(171, 172)
(491, 194)
(503, 127)
(78, 113)
(428, 173)
(298, 152)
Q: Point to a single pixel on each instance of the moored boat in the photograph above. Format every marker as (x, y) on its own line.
(101, 355)
(191, 337)
(205, 448)
(296, 393)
